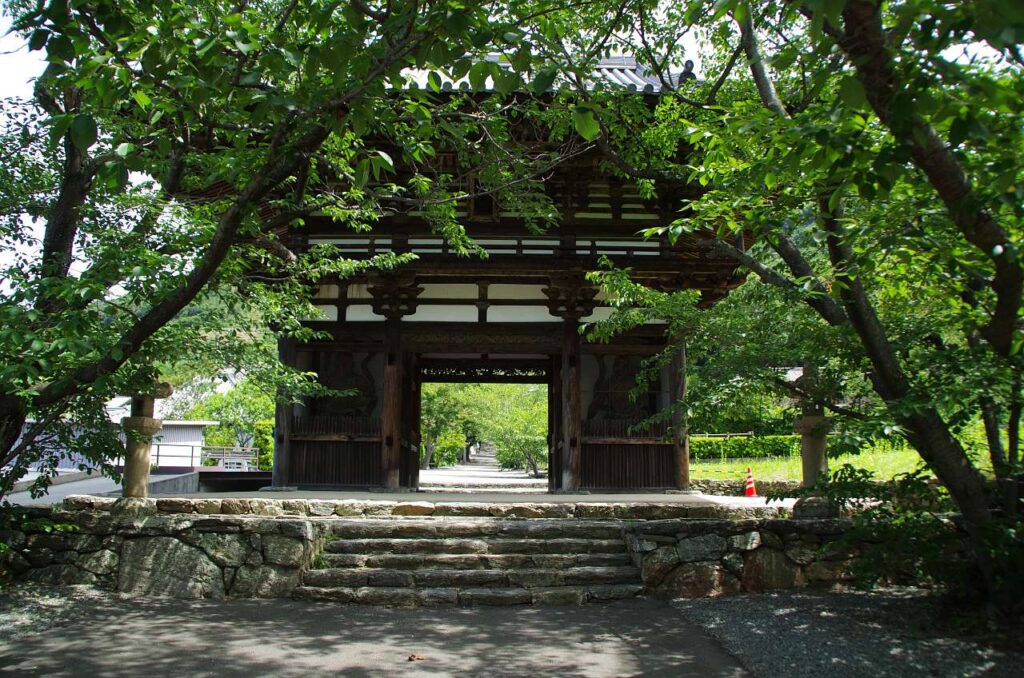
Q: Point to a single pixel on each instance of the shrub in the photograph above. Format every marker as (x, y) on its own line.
(757, 447)
(450, 445)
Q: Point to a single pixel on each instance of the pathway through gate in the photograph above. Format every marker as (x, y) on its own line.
(480, 474)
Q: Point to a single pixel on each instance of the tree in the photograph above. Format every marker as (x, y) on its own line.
(890, 134)
(444, 415)
(170, 148)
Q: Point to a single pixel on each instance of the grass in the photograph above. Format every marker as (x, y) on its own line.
(884, 463)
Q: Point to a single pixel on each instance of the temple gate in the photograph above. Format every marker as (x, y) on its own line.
(513, 317)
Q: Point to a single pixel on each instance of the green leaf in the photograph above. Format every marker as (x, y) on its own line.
(585, 123)
(38, 39)
(141, 98)
(851, 91)
(59, 49)
(434, 81)
(478, 75)
(543, 81)
(83, 132)
(124, 150)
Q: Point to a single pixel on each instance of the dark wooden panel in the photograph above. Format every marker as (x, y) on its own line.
(335, 464)
(320, 455)
(623, 467)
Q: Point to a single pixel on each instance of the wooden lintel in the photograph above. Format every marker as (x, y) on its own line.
(335, 438)
(603, 440)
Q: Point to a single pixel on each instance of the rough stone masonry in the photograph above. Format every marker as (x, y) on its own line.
(213, 548)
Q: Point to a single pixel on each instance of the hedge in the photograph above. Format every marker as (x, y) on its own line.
(757, 447)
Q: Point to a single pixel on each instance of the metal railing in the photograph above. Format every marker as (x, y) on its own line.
(229, 458)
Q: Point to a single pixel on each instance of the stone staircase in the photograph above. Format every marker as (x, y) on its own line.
(451, 561)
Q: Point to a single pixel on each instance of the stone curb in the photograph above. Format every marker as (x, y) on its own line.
(363, 508)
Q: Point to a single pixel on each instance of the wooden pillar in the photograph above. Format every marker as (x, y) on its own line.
(391, 405)
(680, 425)
(555, 424)
(283, 421)
(572, 407)
(412, 406)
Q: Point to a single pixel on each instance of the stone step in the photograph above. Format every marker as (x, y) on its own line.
(474, 561)
(494, 545)
(434, 578)
(447, 528)
(468, 597)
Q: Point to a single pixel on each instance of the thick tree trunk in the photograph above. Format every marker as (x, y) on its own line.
(1013, 425)
(428, 455)
(867, 48)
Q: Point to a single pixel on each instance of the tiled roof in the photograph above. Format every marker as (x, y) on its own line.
(612, 72)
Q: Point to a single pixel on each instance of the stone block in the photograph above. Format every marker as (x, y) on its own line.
(265, 507)
(467, 509)
(300, 529)
(734, 563)
(83, 502)
(264, 581)
(234, 506)
(207, 506)
(349, 508)
(594, 510)
(413, 508)
(748, 541)
(281, 550)
(705, 547)
(387, 596)
(134, 506)
(175, 505)
(225, 549)
(300, 506)
(770, 539)
(101, 563)
(374, 508)
(802, 553)
(495, 597)
(657, 564)
(828, 571)
(62, 575)
(321, 507)
(815, 507)
(437, 597)
(698, 580)
(768, 569)
(165, 566)
(562, 595)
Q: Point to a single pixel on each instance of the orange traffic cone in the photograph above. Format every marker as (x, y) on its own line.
(751, 491)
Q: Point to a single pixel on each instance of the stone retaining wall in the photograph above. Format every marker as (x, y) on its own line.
(182, 548)
(182, 556)
(736, 488)
(706, 558)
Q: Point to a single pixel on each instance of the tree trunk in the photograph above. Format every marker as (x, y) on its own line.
(428, 454)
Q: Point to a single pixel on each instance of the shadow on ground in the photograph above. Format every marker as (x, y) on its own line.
(159, 637)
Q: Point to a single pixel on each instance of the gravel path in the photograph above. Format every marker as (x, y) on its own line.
(27, 609)
(839, 634)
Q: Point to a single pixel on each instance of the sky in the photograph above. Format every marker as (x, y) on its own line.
(17, 65)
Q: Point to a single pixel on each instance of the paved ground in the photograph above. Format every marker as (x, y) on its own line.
(480, 473)
(95, 485)
(109, 636)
